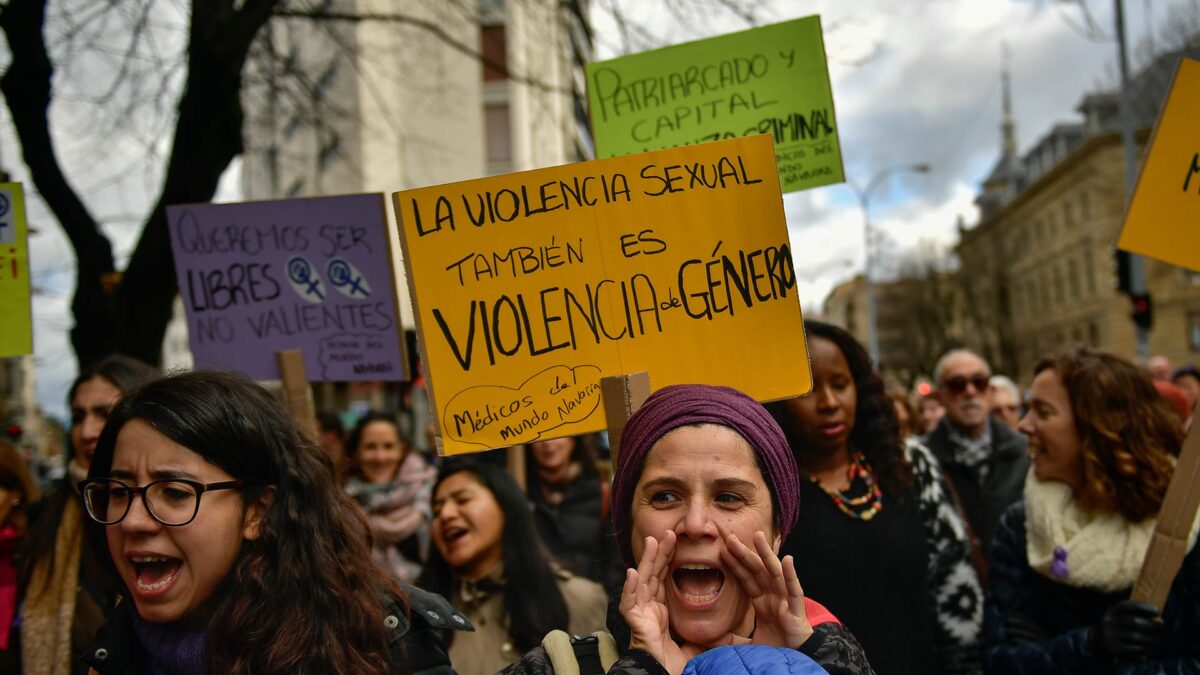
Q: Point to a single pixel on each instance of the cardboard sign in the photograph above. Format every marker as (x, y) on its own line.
(771, 80)
(310, 274)
(17, 337)
(530, 287)
(1163, 218)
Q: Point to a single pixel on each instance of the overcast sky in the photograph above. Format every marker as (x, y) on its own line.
(913, 81)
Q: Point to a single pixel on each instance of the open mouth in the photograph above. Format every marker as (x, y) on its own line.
(154, 573)
(698, 584)
(453, 534)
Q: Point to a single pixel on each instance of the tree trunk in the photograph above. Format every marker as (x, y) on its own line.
(27, 90)
(131, 316)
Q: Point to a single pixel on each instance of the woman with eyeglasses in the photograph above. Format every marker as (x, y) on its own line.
(65, 595)
(878, 538)
(235, 550)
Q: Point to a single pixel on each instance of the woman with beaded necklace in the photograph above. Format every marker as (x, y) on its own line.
(878, 539)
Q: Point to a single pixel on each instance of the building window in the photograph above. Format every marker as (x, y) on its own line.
(1058, 287)
(1089, 270)
(498, 132)
(1093, 334)
(495, 53)
(1073, 278)
(1194, 332)
(1084, 206)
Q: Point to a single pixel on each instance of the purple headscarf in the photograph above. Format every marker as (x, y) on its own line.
(684, 404)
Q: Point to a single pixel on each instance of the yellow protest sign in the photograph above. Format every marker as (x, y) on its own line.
(17, 337)
(1163, 218)
(529, 287)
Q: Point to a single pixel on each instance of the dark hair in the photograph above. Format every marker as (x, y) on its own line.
(14, 477)
(1127, 431)
(532, 599)
(909, 427)
(581, 452)
(876, 431)
(327, 421)
(1186, 371)
(126, 374)
(355, 438)
(305, 595)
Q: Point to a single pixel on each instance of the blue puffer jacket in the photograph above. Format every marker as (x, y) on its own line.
(752, 660)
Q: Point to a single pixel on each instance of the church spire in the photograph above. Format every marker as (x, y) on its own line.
(1008, 129)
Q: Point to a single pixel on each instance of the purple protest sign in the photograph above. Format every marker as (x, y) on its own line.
(308, 274)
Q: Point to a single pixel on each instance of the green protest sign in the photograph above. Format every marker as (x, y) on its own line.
(771, 80)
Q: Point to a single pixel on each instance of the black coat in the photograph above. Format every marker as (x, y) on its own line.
(414, 645)
(1064, 615)
(1005, 485)
(573, 530)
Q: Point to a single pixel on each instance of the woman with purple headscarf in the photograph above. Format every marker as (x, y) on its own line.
(704, 493)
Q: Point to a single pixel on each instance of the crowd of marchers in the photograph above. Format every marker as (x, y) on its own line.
(984, 528)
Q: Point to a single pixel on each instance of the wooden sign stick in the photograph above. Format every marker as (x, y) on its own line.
(622, 395)
(1168, 545)
(296, 391)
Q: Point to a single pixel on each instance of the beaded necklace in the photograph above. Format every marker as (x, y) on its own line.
(865, 506)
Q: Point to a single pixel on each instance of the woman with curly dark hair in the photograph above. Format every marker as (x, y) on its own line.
(879, 539)
(236, 551)
(1063, 561)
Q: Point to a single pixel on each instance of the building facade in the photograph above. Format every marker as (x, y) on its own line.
(915, 316)
(1037, 269)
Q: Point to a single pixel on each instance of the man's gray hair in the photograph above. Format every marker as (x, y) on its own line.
(1004, 382)
(940, 368)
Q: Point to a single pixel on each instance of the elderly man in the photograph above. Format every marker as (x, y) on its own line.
(984, 460)
(1006, 400)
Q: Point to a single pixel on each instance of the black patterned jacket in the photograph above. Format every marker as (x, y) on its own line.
(953, 582)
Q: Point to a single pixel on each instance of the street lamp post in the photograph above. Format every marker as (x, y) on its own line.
(864, 201)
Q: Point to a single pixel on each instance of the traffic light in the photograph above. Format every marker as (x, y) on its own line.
(1124, 271)
(1143, 310)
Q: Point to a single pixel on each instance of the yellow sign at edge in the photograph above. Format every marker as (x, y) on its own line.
(17, 337)
(1163, 219)
(676, 262)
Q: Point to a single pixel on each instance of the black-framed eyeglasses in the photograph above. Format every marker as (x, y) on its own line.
(172, 502)
(958, 383)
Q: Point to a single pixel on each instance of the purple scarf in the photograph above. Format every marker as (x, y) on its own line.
(170, 648)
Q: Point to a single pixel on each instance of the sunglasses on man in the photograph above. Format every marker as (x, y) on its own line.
(958, 383)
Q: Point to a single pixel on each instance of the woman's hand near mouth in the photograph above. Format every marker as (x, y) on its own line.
(644, 606)
(774, 587)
